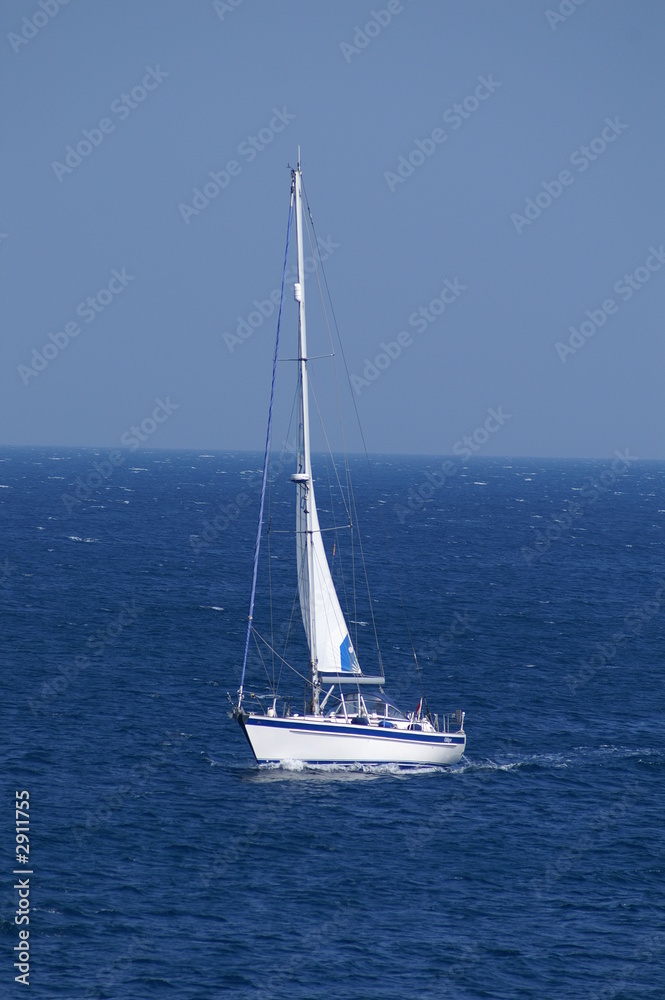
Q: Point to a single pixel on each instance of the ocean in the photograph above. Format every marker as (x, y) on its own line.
(163, 862)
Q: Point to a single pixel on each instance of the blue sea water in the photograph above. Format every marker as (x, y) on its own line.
(166, 863)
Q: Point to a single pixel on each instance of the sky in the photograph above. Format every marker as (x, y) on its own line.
(485, 179)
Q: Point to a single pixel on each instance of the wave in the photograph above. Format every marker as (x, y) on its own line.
(553, 761)
(298, 769)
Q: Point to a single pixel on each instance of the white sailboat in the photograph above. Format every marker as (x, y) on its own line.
(348, 718)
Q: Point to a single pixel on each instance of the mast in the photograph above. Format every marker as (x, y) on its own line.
(304, 473)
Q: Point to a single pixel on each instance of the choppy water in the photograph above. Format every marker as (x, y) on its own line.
(166, 863)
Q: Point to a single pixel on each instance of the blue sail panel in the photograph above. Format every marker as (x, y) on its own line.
(348, 658)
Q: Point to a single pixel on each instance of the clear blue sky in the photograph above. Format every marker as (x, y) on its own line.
(563, 108)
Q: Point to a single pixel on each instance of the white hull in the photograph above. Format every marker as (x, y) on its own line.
(317, 740)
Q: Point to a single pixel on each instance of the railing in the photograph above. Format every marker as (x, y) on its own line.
(451, 722)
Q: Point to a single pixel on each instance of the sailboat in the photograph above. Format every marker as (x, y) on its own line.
(347, 717)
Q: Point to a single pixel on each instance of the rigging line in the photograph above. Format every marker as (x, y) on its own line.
(383, 525)
(257, 635)
(285, 443)
(332, 457)
(254, 635)
(265, 458)
(269, 544)
(270, 601)
(336, 540)
(364, 566)
(287, 637)
(327, 325)
(349, 485)
(305, 541)
(337, 529)
(316, 270)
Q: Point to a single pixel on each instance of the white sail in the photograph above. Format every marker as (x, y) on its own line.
(330, 645)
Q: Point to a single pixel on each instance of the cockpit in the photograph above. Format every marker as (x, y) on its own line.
(375, 706)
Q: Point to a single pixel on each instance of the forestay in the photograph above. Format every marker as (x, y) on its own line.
(331, 649)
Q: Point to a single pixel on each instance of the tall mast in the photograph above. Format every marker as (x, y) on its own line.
(304, 456)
